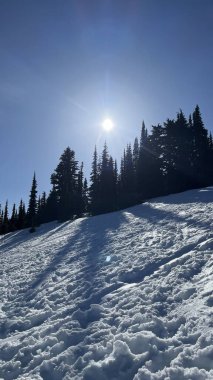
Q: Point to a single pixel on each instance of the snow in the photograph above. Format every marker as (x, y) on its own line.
(122, 296)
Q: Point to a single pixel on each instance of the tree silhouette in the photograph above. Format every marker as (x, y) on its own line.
(32, 207)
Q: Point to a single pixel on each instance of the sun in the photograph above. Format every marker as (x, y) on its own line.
(107, 125)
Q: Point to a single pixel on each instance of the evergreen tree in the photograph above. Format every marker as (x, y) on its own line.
(103, 184)
(127, 188)
(5, 217)
(210, 160)
(94, 190)
(135, 158)
(51, 208)
(80, 206)
(13, 219)
(1, 220)
(32, 207)
(210, 140)
(41, 213)
(170, 156)
(200, 149)
(144, 135)
(129, 175)
(85, 196)
(21, 220)
(135, 153)
(115, 184)
(154, 179)
(142, 174)
(66, 186)
(184, 153)
(38, 205)
(112, 183)
(190, 122)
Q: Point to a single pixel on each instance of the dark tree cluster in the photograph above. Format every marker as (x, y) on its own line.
(173, 157)
(66, 200)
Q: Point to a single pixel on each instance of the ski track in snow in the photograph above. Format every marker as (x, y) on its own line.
(122, 296)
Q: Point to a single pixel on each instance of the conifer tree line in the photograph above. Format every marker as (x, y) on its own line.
(173, 157)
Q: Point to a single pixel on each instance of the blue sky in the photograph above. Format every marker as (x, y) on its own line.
(65, 65)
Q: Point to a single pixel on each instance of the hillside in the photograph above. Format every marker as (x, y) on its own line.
(122, 296)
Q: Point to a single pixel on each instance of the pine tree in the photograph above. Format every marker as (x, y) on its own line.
(135, 158)
(142, 173)
(85, 196)
(94, 190)
(112, 184)
(13, 219)
(80, 207)
(1, 220)
(5, 217)
(122, 171)
(144, 135)
(127, 195)
(103, 194)
(65, 183)
(41, 213)
(115, 184)
(21, 220)
(170, 156)
(105, 186)
(200, 149)
(184, 153)
(51, 208)
(135, 153)
(154, 169)
(210, 140)
(32, 207)
(210, 160)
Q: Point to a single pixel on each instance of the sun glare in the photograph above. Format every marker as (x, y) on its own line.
(107, 125)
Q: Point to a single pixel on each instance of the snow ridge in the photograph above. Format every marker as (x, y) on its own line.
(122, 296)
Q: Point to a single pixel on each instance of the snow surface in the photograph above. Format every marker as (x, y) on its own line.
(122, 296)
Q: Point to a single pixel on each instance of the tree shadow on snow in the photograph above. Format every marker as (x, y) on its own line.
(156, 215)
(86, 248)
(201, 195)
(14, 239)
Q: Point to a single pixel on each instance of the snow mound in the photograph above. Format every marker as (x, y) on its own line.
(121, 296)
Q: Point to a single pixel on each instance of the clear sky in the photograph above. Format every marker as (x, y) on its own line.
(66, 64)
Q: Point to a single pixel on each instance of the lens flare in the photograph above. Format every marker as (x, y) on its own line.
(107, 125)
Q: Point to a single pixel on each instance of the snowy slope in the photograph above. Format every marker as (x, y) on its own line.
(122, 296)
